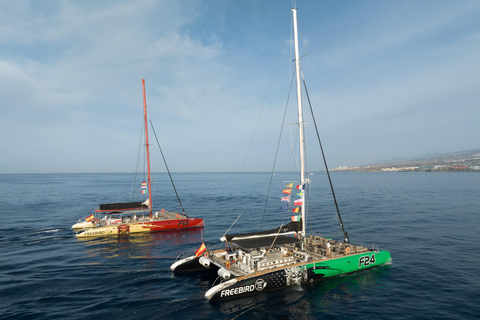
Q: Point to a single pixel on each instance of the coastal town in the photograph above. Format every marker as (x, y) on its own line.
(466, 161)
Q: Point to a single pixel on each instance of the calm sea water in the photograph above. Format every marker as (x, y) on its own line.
(428, 221)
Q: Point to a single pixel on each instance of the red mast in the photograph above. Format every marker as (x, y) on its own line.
(147, 149)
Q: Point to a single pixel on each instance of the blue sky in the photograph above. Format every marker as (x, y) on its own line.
(387, 79)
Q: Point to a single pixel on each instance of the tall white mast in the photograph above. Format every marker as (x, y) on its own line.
(300, 115)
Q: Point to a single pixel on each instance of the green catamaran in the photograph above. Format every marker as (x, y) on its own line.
(276, 258)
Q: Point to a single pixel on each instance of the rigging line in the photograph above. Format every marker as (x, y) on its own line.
(337, 225)
(138, 159)
(276, 152)
(263, 103)
(293, 144)
(145, 169)
(166, 166)
(307, 172)
(345, 234)
(101, 192)
(232, 224)
(308, 211)
(304, 48)
(279, 229)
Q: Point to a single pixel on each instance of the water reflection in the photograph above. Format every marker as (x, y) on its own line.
(151, 245)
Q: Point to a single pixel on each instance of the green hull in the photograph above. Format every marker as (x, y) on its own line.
(349, 264)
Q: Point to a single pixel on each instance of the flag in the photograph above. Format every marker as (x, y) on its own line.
(290, 185)
(300, 194)
(144, 191)
(297, 209)
(301, 187)
(296, 218)
(284, 207)
(90, 218)
(298, 202)
(200, 250)
(287, 191)
(286, 199)
(144, 185)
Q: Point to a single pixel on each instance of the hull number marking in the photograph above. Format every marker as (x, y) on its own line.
(365, 261)
(183, 223)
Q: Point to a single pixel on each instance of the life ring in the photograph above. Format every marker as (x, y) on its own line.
(178, 216)
(227, 265)
(96, 221)
(347, 249)
(205, 254)
(162, 211)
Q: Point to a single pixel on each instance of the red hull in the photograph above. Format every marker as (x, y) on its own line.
(164, 225)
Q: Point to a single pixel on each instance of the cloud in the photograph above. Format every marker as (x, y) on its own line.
(71, 81)
(70, 78)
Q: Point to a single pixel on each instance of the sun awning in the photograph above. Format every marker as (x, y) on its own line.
(122, 206)
(290, 228)
(264, 242)
(125, 212)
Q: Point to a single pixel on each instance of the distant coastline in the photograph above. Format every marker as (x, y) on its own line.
(465, 161)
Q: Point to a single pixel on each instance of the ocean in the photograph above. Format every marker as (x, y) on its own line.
(428, 221)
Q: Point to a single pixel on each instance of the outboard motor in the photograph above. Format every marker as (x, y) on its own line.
(224, 273)
(204, 262)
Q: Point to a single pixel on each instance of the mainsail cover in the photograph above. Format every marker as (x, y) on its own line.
(291, 228)
(264, 242)
(121, 206)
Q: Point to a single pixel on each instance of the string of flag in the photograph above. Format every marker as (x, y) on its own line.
(296, 202)
(144, 187)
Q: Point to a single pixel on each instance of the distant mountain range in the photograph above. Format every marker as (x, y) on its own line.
(455, 161)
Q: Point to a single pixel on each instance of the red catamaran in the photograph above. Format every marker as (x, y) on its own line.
(135, 217)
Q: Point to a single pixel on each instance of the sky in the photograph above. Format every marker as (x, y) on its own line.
(386, 79)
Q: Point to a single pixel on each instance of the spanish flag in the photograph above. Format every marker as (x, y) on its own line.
(90, 218)
(200, 250)
(287, 191)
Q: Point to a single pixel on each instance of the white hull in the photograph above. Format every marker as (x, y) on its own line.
(83, 225)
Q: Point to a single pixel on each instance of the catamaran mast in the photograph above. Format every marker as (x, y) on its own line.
(300, 117)
(147, 149)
